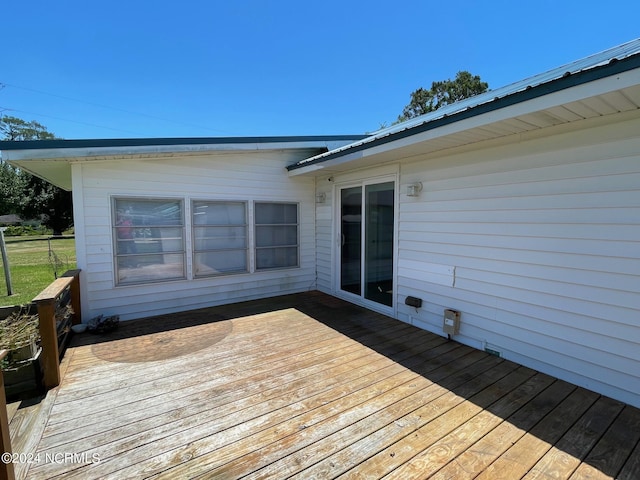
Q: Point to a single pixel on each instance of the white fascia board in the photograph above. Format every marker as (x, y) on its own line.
(314, 167)
(88, 153)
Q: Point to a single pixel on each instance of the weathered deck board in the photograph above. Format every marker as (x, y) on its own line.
(259, 379)
(516, 461)
(375, 432)
(303, 430)
(562, 460)
(434, 457)
(29, 422)
(308, 386)
(612, 450)
(405, 448)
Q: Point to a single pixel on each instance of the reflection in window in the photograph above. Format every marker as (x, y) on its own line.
(276, 231)
(149, 240)
(219, 238)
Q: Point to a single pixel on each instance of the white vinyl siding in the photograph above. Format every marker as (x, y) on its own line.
(203, 177)
(539, 251)
(324, 234)
(535, 242)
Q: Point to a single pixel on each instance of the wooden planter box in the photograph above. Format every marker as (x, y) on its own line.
(24, 380)
(24, 352)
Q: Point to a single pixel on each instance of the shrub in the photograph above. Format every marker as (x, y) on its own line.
(27, 230)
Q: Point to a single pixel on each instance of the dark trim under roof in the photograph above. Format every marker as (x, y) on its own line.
(566, 80)
(142, 142)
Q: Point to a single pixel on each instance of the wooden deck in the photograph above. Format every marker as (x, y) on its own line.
(307, 386)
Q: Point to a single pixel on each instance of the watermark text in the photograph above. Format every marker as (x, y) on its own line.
(59, 458)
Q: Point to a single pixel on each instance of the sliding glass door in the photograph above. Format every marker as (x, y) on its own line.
(366, 241)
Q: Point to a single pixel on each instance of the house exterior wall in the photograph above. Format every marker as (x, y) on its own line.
(535, 241)
(248, 176)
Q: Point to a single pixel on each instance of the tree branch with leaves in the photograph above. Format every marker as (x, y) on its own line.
(443, 93)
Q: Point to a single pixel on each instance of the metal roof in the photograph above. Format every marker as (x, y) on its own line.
(51, 159)
(143, 142)
(600, 65)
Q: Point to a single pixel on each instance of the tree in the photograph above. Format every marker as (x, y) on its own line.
(12, 187)
(443, 93)
(48, 202)
(29, 196)
(14, 128)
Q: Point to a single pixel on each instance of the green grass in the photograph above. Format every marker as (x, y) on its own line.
(32, 268)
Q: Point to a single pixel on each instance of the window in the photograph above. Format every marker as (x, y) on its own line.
(149, 240)
(219, 238)
(276, 235)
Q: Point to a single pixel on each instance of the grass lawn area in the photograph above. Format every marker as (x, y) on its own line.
(32, 266)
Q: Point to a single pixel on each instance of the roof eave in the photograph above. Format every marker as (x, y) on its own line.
(174, 142)
(568, 81)
(51, 159)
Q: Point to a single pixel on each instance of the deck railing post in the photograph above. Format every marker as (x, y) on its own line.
(6, 468)
(49, 342)
(47, 302)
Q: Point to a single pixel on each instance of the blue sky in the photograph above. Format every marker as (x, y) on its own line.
(256, 68)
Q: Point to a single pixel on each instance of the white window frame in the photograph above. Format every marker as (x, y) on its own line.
(256, 226)
(137, 238)
(195, 251)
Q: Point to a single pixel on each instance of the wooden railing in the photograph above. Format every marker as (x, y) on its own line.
(6, 467)
(48, 303)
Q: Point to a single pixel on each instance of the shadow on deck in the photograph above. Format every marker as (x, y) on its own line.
(310, 386)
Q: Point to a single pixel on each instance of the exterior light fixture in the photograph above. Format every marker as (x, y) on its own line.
(414, 189)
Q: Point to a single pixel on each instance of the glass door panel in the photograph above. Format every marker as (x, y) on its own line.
(351, 240)
(366, 250)
(378, 255)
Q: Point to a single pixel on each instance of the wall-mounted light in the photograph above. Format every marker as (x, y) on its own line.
(414, 189)
(321, 197)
